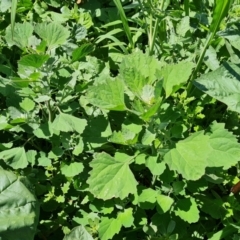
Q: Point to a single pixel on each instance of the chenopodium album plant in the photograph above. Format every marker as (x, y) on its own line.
(115, 156)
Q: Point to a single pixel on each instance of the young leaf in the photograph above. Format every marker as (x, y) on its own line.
(187, 210)
(222, 84)
(164, 203)
(110, 178)
(155, 166)
(108, 228)
(108, 95)
(67, 123)
(53, 33)
(72, 169)
(138, 70)
(27, 104)
(126, 217)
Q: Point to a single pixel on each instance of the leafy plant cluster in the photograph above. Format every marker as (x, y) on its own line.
(119, 119)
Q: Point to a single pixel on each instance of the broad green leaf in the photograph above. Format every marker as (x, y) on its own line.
(44, 161)
(110, 178)
(232, 35)
(5, 5)
(21, 34)
(19, 208)
(211, 206)
(97, 131)
(27, 104)
(15, 157)
(72, 169)
(31, 156)
(210, 59)
(82, 51)
(189, 158)
(124, 137)
(187, 210)
(225, 147)
(148, 137)
(222, 84)
(78, 149)
(155, 166)
(109, 227)
(175, 76)
(147, 198)
(53, 33)
(67, 123)
(79, 233)
(126, 217)
(164, 203)
(138, 70)
(107, 95)
(45, 131)
(33, 60)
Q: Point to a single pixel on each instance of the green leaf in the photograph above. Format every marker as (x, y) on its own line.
(21, 34)
(189, 158)
(225, 149)
(175, 76)
(5, 5)
(33, 60)
(108, 95)
(72, 169)
(15, 157)
(19, 208)
(53, 33)
(164, 203)
(110, 178)
(126, 217)
(138, 70)
(27, 104)
(44, 161)
(223, 85)
(109, 227)
(67, 123)
(147, 198)
(78, 233)
(82, 51)
(45, 131)
(148, 138)
(155, 166)
(187, 210)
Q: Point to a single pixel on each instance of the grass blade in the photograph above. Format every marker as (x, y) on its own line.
(13, 14)
(124, 22)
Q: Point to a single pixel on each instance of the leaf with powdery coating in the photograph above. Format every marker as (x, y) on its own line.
(111, 178)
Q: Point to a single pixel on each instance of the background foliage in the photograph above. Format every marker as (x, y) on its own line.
(119, 119)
